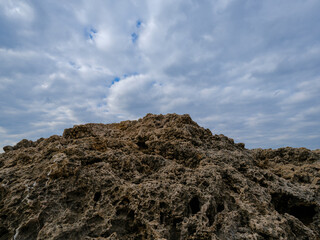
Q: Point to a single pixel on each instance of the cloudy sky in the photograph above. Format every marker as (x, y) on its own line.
(248, 69)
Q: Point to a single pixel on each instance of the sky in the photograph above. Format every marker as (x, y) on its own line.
(247, 69)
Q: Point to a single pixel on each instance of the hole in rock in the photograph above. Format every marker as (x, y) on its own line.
(210, 214)
(265, 236)
(192, 229)
(131, 215)
(97, 196)
(212, 211)
(220, 207)
(90, 160)
(163, 205)
(124, 223)
(124, 202)
(4, 233)
(162, 217)
(218, 228)
(285, 203)
(194, 205)
(174, 232)
(142, 145)
(304, 213)
(205, 184)
(125, 212)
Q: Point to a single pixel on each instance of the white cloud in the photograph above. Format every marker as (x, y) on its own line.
(297, 98)
(17, 10)
(103, 39)
(133, 95)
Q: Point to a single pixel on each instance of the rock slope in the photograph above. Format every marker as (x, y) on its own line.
(160, 177)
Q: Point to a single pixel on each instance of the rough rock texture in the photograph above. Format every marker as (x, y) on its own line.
(161, 177)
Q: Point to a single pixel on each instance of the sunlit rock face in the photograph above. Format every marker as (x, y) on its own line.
(160, 177)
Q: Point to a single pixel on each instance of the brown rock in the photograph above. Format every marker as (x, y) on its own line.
(7, 148)
(161, 177)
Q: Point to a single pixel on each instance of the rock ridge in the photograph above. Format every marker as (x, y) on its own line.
(159, 177)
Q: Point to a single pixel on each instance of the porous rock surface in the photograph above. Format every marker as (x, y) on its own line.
(160, 177)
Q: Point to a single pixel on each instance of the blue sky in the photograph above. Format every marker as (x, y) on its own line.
(247, 69)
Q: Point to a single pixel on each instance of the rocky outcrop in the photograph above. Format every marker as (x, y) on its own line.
(161, 177)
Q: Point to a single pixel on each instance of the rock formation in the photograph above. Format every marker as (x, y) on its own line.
(160, 177)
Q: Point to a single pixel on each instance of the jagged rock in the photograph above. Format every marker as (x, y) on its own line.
(298, 165)
(7, 148)
(161, 177)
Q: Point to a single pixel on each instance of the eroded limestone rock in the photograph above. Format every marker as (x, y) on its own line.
(161, 177)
